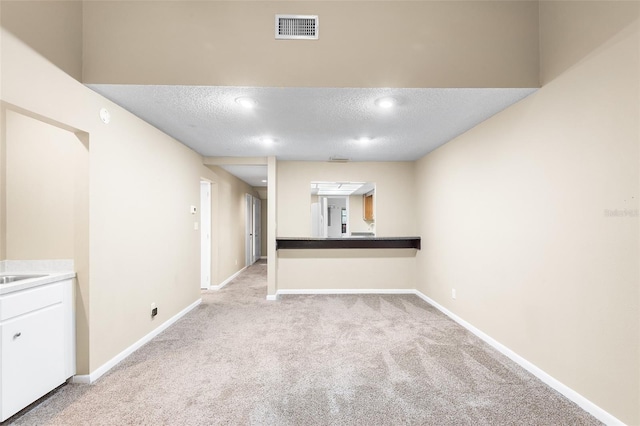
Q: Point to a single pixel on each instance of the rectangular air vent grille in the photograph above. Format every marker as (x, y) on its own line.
(297, 27)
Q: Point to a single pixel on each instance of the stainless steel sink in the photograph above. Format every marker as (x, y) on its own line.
(8, 279)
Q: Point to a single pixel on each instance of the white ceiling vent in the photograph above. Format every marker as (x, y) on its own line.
(297, 27)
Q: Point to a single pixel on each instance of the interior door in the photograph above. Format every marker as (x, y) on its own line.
(257, 231)
(248, 244)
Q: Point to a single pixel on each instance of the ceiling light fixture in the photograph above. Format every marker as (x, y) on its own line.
(247, 103)
(264, 181)
(267, 140)
(386, 103)
(365, 139)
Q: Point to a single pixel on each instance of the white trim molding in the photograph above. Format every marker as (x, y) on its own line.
(227, 281)
(546, 378)
(552, 382)
(345, 291)
(274, 297)
(104, 368)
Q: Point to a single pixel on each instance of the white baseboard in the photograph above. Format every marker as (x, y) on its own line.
(346, 291)
(228, 280)
(279, 293)
(95, 375)
(263, 257)
(565, 390)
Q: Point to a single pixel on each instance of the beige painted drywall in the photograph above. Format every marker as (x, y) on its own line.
(40, 178)
(264, 211)
(340, 269)
(47, 213)
(53, 28)
(346, 269)
(3, 169)
(395, 194)
(272, 225)
(142, 247)
(229, 223)
(361, 44)
(532, 216)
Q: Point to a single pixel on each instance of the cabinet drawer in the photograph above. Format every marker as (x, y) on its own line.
(22, 302)
(32, 351)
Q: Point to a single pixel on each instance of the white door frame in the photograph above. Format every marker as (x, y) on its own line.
(205, 234)
(257, 237)
(252, 227)
(248, 229)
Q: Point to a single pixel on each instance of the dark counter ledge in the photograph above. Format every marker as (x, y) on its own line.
(349, 243)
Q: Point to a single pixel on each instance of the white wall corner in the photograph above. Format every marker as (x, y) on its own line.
(228, 280)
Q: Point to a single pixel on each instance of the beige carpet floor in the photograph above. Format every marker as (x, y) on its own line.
(310, 360)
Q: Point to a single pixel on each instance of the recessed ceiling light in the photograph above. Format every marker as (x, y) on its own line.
(247, 103)
(267, 140)
(386, 102)
(264, 181)
(365, 139)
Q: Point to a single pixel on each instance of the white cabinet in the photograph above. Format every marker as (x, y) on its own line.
(37, 344)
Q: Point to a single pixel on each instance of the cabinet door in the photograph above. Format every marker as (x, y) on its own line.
(368, 207)
(32, 357)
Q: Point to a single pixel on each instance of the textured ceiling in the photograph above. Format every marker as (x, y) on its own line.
(311, 123)
(253, 175)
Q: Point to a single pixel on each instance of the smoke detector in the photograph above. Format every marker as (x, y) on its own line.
(297, 27)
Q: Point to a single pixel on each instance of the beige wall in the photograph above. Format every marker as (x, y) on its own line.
(395, 194)
(52, 28)
(514, 213)
(3, 178)
(228, 223)
(264, 211)
(46, 211)
(41, 175)
(396, 43)
(143, 246)
(346, 269)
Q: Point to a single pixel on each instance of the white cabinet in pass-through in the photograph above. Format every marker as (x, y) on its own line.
(37, 344)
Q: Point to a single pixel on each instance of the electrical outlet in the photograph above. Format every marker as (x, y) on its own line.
(154, 310)
(453, 293)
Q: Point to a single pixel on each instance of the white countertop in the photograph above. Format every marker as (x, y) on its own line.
(49, 277)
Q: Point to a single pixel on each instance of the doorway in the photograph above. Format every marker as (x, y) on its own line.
(252, 229)
(329, 217)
